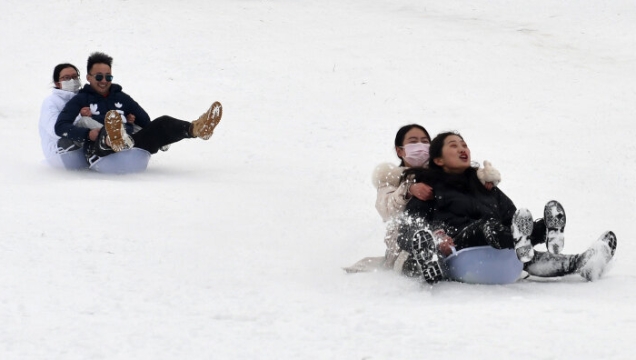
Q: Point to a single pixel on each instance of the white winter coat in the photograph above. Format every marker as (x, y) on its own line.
(391, 201)
(51, 108)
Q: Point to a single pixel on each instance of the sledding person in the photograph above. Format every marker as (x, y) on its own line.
(411, 147)
(474, 216)
(109, 106)
(66, 84)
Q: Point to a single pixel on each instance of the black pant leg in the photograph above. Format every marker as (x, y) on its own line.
(545, 264)
(484, 232)
(538, 232)
(162, 131)
(93, 151)
(470, 236)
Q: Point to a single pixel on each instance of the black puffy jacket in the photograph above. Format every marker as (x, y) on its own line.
(460, 200)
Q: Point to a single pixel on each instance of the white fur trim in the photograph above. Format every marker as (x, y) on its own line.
(387, 174)
(488, 174)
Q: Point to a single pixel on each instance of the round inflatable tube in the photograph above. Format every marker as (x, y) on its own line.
(483, 265)
(124, 162)
(74, 160)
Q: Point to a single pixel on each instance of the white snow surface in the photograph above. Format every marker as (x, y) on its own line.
(232, 248)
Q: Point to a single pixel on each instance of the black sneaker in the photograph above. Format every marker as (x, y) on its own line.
(554, 218)
(65, 145)
(521, 229)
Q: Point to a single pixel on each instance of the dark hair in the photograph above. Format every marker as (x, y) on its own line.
(466, 181)
(98, 58)
(58, 69)
(401, 134)
(436, 147)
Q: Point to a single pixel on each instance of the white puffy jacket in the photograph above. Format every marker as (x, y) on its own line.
(390, 202)
(51, 108)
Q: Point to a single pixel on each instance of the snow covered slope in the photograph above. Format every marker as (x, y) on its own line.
(233, 248)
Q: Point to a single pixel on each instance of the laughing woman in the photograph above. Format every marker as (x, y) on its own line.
(473, 215)
(411, 146)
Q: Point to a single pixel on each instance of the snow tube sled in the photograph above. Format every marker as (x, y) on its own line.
(124, 162)
(483, 265)
(74, 160)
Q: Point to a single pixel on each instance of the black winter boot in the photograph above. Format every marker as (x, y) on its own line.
(426, 254)
(554, 218)
(591, 264)
(521, 230)
(593, 261)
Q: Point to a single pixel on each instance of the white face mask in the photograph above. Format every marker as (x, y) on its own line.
(72, 85)
(416, 154)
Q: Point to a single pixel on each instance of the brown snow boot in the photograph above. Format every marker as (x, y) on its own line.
(203, 127)
(116, 136)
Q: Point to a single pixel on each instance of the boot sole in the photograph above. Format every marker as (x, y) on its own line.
(522, 221)
(598, 256)
(551, 216)
(113, 123)
(610, 238)
(522, 228)
(554, 218)
(426, 255)
(214, 114)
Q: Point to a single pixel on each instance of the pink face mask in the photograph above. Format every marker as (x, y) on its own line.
(416, 154)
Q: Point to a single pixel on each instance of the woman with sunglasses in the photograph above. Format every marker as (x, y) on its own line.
(126, 123)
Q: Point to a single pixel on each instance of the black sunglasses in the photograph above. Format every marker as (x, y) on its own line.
(100, 77)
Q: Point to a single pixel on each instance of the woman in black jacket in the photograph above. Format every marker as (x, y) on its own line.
(474, 215)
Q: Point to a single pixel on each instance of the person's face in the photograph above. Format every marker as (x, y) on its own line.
(455, 157)
(65, 75)
(101, 87)
(412, 136)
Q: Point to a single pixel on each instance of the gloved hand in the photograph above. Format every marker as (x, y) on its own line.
(488, 174)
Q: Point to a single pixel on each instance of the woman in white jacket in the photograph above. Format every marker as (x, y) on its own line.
(411, 146)
(67, 84)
